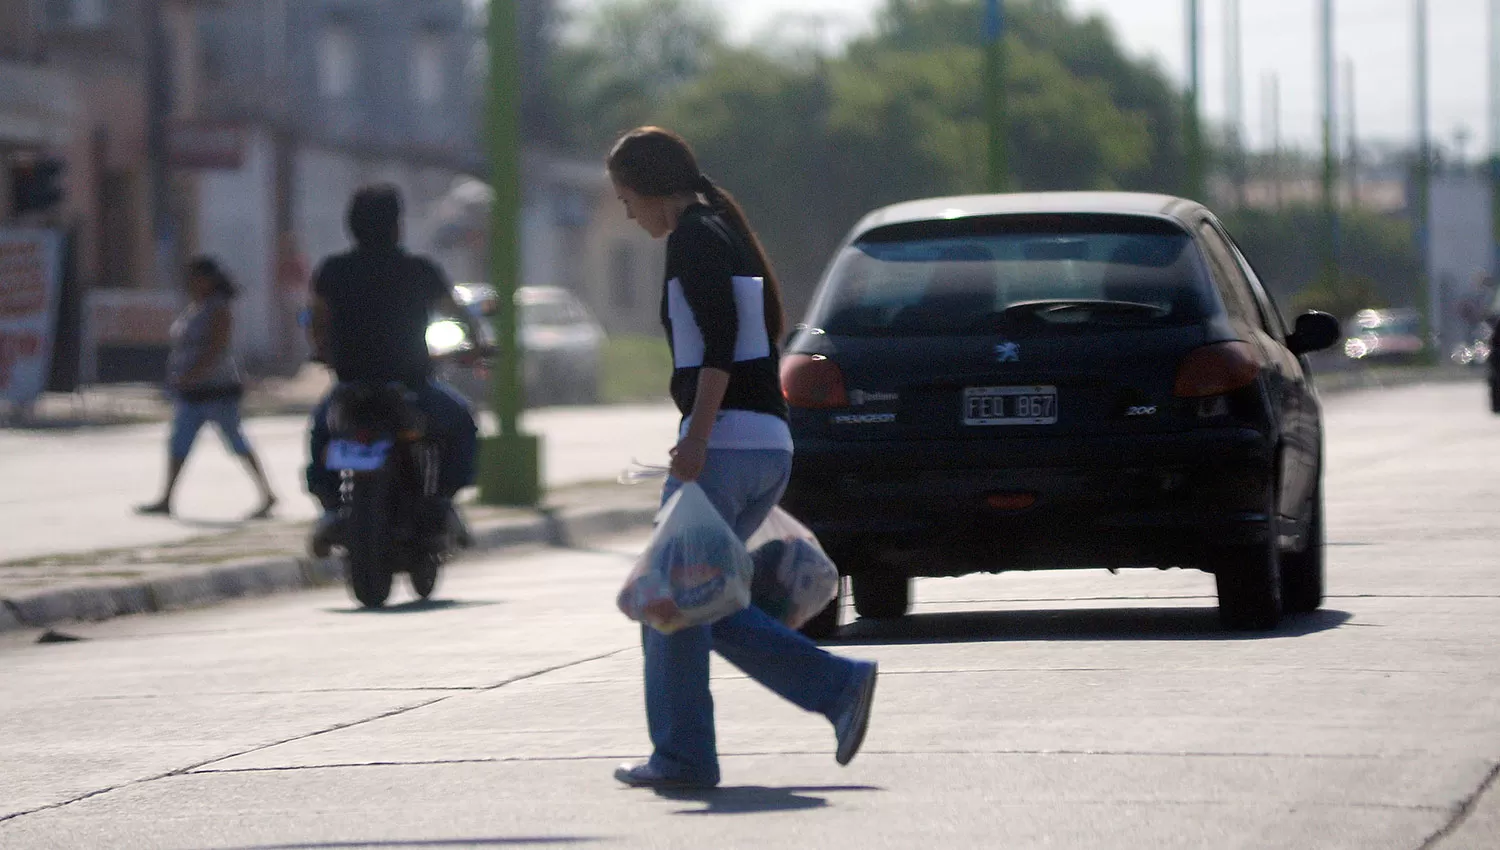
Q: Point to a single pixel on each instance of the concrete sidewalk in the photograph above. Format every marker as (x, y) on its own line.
(271, 557)
(124, 404)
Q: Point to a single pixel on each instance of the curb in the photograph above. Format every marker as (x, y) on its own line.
(204, 587)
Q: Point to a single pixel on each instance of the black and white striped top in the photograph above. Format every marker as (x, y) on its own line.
(714, 310)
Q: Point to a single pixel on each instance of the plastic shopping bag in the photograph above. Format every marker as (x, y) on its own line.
(694, 571)
(794, 577)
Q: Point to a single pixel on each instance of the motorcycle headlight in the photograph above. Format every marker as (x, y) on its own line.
(445, 337)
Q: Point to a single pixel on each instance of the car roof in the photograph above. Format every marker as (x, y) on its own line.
(1084, 203)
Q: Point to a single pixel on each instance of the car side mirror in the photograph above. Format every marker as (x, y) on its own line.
(1314, 332)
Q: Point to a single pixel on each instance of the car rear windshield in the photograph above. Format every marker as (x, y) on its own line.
(984, 275)
(551, 313)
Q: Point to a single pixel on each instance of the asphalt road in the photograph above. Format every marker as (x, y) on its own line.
(1077, 710)
(74, 491)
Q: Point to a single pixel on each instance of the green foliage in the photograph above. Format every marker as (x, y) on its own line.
(1378, 258)
(811, 144)
(1341, 296)
(635, 369)
(630, 56)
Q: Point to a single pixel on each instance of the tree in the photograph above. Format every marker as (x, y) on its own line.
(1379, 260)
(812, 142)
(631, 56)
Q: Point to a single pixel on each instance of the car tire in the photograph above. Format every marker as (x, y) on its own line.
(1302, 572)
(882, 596)
(1249, 580)
(1494, 395)
(825, 624)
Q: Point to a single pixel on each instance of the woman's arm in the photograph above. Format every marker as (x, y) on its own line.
(691, 453)
(220, 324)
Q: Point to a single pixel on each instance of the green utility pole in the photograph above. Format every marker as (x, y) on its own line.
(1192, 128)
(994, 95)
(1330, 241)
(510, 471)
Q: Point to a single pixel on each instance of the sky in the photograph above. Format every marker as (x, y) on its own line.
(1377, 38)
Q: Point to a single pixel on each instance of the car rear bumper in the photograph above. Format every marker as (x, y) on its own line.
(925, 508)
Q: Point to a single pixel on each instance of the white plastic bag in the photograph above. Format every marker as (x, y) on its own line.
(695, 570)
(794, 577)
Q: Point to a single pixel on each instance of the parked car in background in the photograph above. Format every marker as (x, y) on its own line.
(1393, 335)
(1055, 381)
(561, 345)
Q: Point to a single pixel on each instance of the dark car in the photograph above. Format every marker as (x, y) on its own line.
(1056, 381)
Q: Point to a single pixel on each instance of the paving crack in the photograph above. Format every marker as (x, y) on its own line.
(305, 736)
(1463, 810)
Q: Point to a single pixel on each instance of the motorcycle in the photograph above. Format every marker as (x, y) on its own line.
(394, 520)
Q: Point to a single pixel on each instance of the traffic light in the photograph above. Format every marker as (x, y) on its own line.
(36, 186)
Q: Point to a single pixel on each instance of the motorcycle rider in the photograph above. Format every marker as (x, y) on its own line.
(370, 311)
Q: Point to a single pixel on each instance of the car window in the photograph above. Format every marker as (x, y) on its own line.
(547, 313)
(963, 278)
(1227, 276)
(1271, 318)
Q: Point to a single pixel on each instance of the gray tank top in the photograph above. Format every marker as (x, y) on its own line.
(190, 339)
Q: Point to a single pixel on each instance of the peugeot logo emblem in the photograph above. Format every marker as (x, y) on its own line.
(1008, 352)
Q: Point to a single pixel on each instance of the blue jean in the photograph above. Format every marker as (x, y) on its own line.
(744, 486)
(189, 417)
(449, 419)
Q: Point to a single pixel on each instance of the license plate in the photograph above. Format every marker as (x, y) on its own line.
(1010, 406)
(357, 457)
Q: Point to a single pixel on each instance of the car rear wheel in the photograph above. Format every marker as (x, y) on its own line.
(1494, 395)
(1249, 580)
(1302, 572)
(882, 596)
(826, 623)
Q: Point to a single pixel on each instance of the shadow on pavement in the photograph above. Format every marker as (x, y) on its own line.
(431, 842)
(754, 799)
(417, 606)
(1076, 624)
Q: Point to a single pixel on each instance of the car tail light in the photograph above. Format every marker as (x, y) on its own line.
(1216, 370)
(812, 380)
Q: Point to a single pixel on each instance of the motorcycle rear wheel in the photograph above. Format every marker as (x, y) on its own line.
(368, 543)
(424, 575)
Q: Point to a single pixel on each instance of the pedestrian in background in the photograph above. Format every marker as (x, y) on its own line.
(723, 315)
(204, 383)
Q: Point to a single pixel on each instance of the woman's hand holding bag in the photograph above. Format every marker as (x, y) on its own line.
(694, 571)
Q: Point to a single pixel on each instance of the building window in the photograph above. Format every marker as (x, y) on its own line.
(336, 59)
(622, 274)
(427, 78)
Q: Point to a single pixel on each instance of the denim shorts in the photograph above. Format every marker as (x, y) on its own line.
(191, 416)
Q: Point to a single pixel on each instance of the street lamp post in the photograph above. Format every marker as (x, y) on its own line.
(1423, 178)
(510, 463)
(1192, 128)
(1494, 108)
(994, 100)
(1330, 241)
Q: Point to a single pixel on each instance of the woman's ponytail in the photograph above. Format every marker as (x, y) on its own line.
(724, 203)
